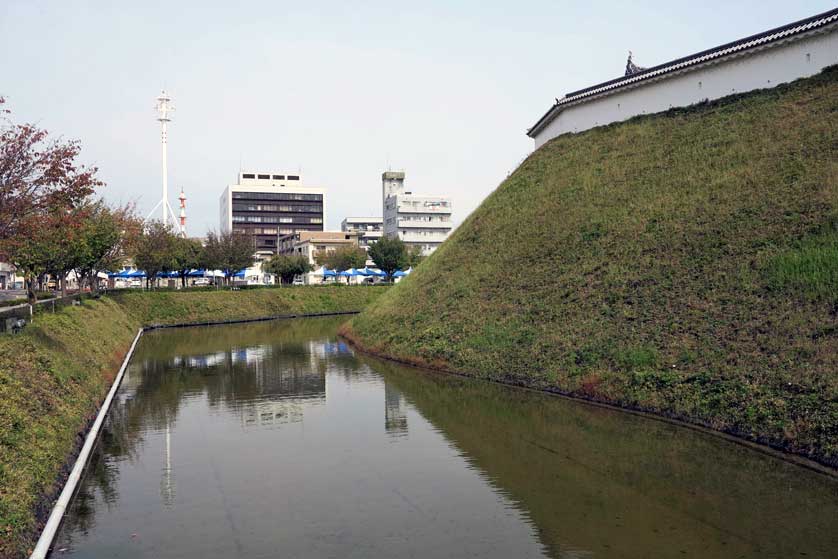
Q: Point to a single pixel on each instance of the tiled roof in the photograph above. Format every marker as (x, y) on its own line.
(735, 47)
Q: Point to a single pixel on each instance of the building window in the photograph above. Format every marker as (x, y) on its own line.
(264, 176)
(293, 177)
(248, 176)
(279, 177)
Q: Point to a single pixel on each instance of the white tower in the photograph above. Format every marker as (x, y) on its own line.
(163, 109)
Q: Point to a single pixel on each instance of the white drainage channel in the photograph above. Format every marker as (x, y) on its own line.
(54, 521)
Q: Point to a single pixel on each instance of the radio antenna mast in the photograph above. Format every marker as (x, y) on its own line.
(164, 108)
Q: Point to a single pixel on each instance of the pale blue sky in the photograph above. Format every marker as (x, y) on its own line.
(444, 90)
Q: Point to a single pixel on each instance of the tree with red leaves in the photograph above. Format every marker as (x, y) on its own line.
(41, 187)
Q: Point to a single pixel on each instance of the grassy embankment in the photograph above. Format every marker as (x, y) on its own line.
(684, 264)
(54, 375)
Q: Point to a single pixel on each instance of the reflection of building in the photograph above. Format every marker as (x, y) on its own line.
(419, 221)
(395, 416)
(265, 205)
(284, 390)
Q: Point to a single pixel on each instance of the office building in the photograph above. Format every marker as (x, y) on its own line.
(266, 205)
(419, 221)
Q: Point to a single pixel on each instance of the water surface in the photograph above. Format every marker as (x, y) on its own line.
(275, 439)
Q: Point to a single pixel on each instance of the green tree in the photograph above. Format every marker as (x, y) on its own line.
(414, 256)
(286, 267)
(189, 254)
(342, 258)
(228, 252)
(155, 251)
(389, 254)
(105, 235)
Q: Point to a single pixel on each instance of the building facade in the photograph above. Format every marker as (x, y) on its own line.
(312, 243)
(419, 221)
(267, 205)
(761, 61)
(370, 229)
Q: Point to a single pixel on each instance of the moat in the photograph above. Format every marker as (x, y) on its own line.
(276, 439)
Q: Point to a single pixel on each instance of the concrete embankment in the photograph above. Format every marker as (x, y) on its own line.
(55, 374)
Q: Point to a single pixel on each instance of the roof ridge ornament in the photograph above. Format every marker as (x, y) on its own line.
(631, 67)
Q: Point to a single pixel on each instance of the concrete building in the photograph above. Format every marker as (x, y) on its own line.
(312, 243)
(764, 60)
(266, 205)
(370, 229)
(8, 278)
(423, 221)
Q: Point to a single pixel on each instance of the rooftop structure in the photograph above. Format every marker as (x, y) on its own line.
(795, 50)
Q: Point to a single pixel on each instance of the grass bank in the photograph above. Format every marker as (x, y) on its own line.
(683, 264)
(54, 375)
(174, 307)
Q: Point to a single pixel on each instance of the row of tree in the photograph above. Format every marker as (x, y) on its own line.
(50, 224)
(160, 249)
(388, 254)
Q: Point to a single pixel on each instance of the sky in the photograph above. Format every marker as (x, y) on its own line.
(337, 91)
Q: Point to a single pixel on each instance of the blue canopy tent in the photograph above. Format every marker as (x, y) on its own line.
(136, 274)
(193, 273)
(400, 274)
(350, 273)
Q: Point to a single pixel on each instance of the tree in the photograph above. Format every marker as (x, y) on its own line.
(52, 248)
(287, 267)
(414, 256)
(343, 258)
(229, 252)
(106, 235)
(389, 254)
(189, 254)
(155, 251)
(37, 175)
(42, 190)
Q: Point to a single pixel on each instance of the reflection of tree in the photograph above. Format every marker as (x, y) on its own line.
(590, 478)
(252, 378)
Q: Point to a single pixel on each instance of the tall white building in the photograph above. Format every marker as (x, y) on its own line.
(795, 50)
(266, 205)
(423, 221)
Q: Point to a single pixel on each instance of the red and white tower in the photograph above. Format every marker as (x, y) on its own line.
(182, 199)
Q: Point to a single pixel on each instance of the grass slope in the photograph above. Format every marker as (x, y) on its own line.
(174, 307)
(684, 263)
(55, 374)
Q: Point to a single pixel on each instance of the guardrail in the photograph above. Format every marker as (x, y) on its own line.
(14, 318)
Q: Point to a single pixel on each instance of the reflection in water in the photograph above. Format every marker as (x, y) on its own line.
(395, 416)
(274, 430)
